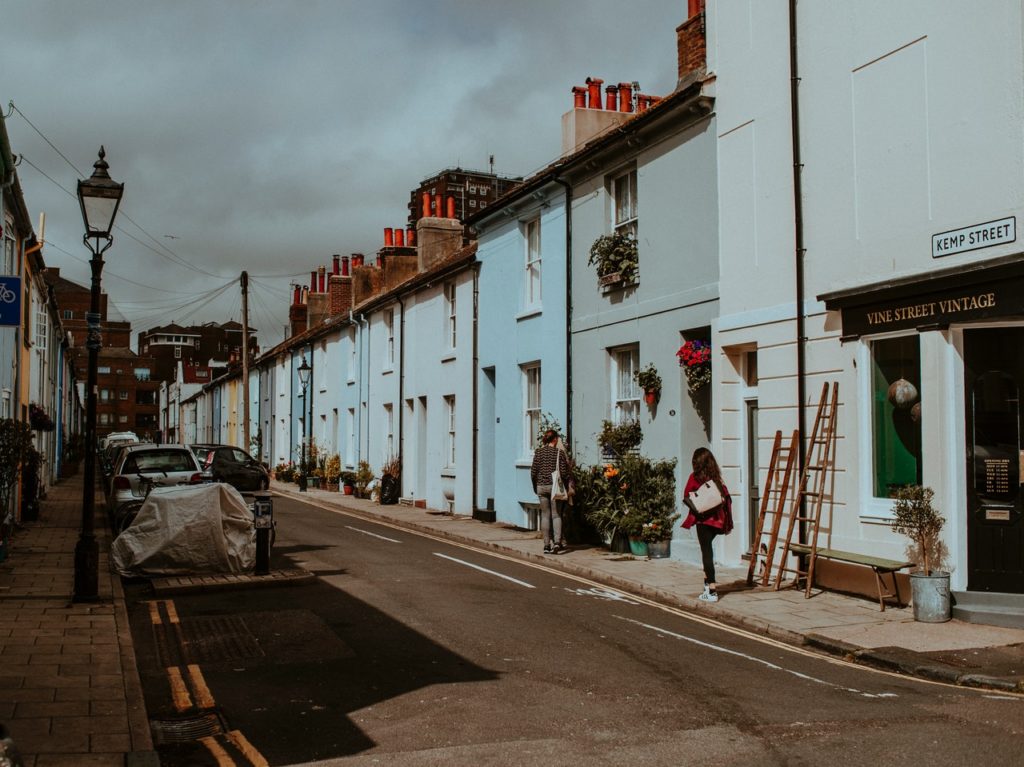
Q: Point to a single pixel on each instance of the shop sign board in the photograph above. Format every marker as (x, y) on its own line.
(974, 237)
(10, 300)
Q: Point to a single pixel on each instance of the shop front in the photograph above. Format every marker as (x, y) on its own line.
(944, 370)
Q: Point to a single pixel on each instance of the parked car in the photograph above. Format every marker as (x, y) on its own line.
(225, 463)
(140, 468)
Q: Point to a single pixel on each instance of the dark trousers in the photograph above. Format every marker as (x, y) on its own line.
(706, 536)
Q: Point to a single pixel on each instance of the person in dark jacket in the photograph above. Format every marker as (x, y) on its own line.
(546, 460)
(712, 523)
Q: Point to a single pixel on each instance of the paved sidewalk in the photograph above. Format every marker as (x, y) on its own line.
(852, 627)
(69, 691)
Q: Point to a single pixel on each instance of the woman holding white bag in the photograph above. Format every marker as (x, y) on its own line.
(710, 506)
(549, 459)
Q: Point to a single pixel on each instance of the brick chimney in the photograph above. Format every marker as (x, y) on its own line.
(297, 318)
(437, 238)
(587, 120)
(339, 288)
(367, 281)
(691, 41)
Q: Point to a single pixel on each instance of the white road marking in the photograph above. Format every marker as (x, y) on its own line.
(372, 535)
(762, 661)
(485, 570)
(612, 596)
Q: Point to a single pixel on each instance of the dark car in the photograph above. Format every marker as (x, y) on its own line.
(224, 463)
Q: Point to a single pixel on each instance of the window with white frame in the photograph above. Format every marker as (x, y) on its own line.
(449, 452)
(625, 392)
(624, 201)
(9, 247)
(531, 297)
(352, 354)
(389, 333)
(895, 424)
(177, 352)
(42, 327)
(350, 438)
(449, 312)
(68, 314)
(531, 406)
(389, 432)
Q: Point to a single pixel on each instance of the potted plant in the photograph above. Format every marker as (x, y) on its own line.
(647, 378)
(348, 482)
(364, 476)
(600, 493)
(38, 418)
(695, 360)
(332, 472)
(618, 439)
(284, 472)
(616, 258)
(915, 517)
(390, 480)
(650, 490)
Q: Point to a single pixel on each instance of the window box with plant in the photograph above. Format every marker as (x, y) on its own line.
(616, 258)
(647, 378)
(695, 360)
(619, 439)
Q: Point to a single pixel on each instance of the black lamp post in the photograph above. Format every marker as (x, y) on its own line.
(99, 198)
(304, 371)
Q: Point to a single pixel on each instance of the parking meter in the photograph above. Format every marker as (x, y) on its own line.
(263, 521)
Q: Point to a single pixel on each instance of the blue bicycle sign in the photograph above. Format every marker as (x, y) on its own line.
(10, 301)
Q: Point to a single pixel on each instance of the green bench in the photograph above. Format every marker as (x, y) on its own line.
(879, 565)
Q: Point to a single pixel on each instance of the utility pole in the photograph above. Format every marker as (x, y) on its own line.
(245, 365)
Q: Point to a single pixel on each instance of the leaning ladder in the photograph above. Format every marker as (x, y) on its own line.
(819, 459)
(773, 507)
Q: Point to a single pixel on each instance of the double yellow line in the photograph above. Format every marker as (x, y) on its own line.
(189, 691)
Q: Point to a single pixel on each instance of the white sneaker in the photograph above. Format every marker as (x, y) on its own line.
(708, 595)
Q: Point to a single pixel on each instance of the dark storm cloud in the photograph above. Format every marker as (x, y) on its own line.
(268, 135)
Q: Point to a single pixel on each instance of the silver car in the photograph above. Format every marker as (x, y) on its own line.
(139, 469)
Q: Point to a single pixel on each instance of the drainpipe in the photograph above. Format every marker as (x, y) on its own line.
(798, 226)
(363, 345)
(401, 387)
(568, 308)
(476, 385)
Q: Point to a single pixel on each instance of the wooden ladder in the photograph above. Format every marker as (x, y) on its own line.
(819, 458)
(773, 506)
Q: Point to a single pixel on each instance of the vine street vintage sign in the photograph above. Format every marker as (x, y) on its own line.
(974, 237)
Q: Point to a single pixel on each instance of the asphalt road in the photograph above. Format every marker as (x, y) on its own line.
(411, 650)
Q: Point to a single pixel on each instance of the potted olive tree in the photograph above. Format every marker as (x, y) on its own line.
(915, 517)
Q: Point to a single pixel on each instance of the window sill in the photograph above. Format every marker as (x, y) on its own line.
(448, 473)
(524, 463)
(387, 371)
(533, 311)
(449, 357)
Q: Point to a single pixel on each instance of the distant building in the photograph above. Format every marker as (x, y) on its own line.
(197, 346)
(469, 190)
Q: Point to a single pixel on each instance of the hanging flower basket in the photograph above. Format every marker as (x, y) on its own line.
(695, 359)
(647, 378)
(38, 419)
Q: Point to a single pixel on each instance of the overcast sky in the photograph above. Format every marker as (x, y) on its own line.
(267, 136)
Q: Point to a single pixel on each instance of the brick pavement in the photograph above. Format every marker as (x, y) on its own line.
(69, 691)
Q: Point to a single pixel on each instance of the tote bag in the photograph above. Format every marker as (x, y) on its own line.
(558, 487)
(704, 498)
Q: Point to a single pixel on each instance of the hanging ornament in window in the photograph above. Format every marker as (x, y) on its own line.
(915, 412)
(902, 393)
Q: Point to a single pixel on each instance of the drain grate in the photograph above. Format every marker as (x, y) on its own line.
(185, 730)
(209, 639)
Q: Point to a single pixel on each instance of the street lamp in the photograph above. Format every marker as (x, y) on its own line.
(304, 371)
(99, 198)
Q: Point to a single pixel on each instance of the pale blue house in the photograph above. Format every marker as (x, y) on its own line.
(522, 373)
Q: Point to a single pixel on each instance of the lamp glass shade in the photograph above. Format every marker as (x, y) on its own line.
(99, 197)
(304, 371)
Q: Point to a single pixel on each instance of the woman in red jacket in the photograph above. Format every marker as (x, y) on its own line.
(710, 524)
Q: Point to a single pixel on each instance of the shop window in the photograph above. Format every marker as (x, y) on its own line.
(896, 414)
